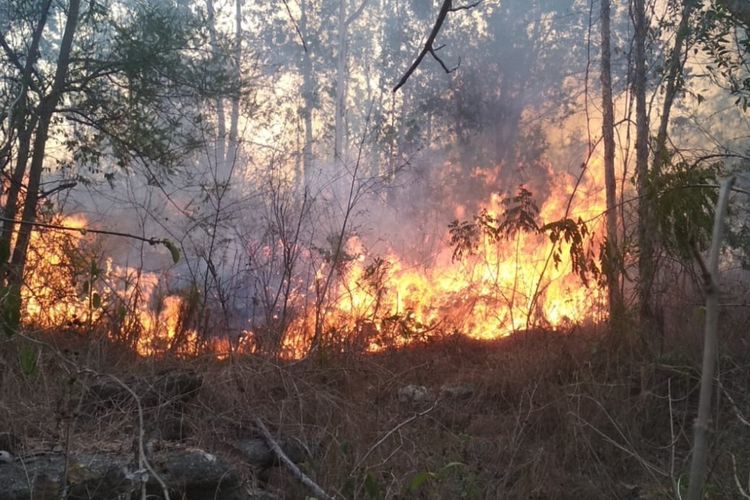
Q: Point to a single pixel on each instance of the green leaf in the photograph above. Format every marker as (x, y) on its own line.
(11, 309)
(96, 300)
(27, 358)
(419, 480)
(173, 250)
(372, 488)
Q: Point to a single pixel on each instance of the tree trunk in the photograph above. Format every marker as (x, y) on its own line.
(24, 124)
(307, 100)
(46, 110)
(220, 116)
(645, 200)
(608, 134)
(232, 142)
(339, 134)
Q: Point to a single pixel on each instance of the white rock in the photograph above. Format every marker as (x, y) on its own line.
(5, 457)
(414, 394)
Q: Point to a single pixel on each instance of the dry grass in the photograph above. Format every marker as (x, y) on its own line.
(549, 415)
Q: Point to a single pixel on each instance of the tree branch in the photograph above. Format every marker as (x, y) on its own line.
(356, 13)
(60, 227)
(445, 8)
(739, 9)
(296, 26)
(465, 7)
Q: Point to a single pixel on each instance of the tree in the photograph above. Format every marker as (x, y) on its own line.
(608, 133)
(115, 91)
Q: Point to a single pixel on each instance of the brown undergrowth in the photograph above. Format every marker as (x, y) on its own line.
(538, 415)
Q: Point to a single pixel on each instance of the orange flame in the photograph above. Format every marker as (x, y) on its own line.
(376, 303)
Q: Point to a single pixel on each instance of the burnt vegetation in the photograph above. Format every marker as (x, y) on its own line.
(374, 249)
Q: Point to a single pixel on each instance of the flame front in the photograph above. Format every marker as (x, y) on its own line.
(504, 287)
(373, 302)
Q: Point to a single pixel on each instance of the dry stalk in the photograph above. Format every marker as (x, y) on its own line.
(627, 448)
(742, 490)
(143, 463)
(296, 471)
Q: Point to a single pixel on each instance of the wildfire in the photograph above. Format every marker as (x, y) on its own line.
(374, 301)
(66, 286)
(503, 288)
(49, 294)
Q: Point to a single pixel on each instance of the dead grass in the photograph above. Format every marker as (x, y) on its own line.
(544, 415)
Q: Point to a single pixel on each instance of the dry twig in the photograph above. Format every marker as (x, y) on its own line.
(296, 471)
(392, 431)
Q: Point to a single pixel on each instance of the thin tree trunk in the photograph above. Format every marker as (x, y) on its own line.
(338, 142)
(645, 202)
(24, 125)
(307, 100)
(673, 76)
(46, 110)
(608, 134)
(220, 115)
(711, 279)
(234, 118)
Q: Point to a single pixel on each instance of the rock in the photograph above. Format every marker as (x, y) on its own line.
(10, 442)
(5, 457)
(414, 394)
(89, 477)
(189, 474)
(195, 474)
(258, 454)
(456, 391)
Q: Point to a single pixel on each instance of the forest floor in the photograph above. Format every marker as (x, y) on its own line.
(538, 415)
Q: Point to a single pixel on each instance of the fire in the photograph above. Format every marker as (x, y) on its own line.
(501, 289)
(49, 294)
(65, 285)
(373, 302)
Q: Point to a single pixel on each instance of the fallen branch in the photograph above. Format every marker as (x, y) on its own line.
(296, 471)
(143, 462)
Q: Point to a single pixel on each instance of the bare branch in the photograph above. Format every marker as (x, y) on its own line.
(356, 13)
(445, 8)
(296, 26)
(60, 227)
(61, 187)
(465, 7)
(446, 68)
(394, 430)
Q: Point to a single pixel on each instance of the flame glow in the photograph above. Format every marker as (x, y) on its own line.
(495, 292)
(374, 301)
